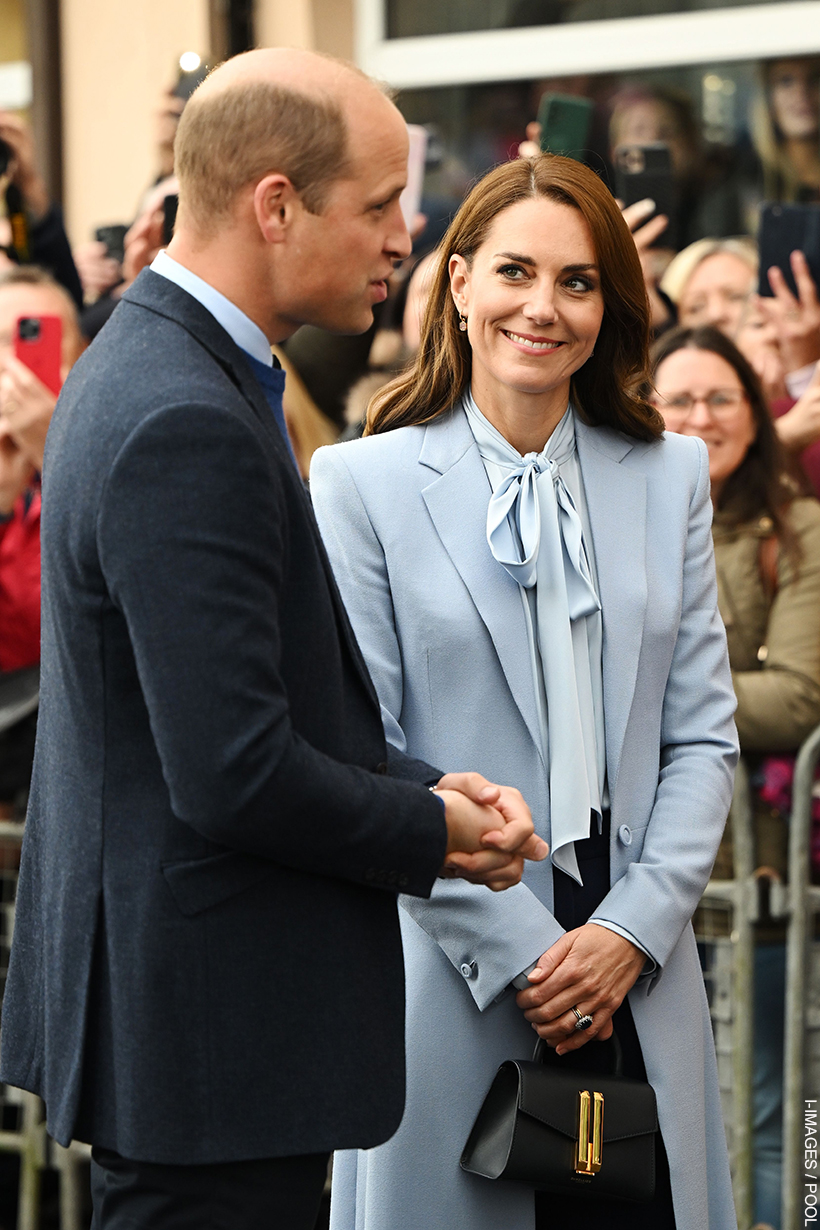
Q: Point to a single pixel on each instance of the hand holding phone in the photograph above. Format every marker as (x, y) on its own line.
(564, 121)
(645, 172)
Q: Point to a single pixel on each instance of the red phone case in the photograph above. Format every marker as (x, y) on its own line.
(41, 354)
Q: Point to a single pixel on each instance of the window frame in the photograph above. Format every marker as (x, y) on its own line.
(628, 44)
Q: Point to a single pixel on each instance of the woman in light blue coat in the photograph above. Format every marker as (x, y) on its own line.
(527, 562)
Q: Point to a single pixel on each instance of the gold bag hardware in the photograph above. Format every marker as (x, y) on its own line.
(588, 1152)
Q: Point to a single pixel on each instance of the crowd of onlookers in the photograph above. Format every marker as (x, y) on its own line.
(739, 369)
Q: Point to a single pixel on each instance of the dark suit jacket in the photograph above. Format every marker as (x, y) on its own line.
(206, 963)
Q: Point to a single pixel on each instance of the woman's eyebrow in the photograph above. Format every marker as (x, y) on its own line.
(514, 256)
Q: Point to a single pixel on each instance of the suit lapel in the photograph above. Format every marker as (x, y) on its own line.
(457, 495)
(616, 503)
(159, 295)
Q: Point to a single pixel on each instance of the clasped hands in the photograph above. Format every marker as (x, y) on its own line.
(489, 831)
(591, 969)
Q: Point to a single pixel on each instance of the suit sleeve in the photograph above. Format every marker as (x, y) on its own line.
(192, 533)
(490, 938)
(659, 893)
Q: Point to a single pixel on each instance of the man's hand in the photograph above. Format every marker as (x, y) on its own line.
(490, 831)
(797, 319)
(26, 407)
(591, 969)
(24, 173)
(145, 238)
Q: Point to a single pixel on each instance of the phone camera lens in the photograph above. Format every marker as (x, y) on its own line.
(29, 329)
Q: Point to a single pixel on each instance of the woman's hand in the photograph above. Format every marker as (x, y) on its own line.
(653, 260)
(800, 426)
(26, 407)
(16, 472)
(591, 969)
(797, 319)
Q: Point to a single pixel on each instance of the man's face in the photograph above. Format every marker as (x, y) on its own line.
(340, 260)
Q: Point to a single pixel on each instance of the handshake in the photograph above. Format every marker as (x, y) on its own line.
(489, 831)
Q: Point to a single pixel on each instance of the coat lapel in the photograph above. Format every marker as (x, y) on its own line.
(457, 495)
(616, 503)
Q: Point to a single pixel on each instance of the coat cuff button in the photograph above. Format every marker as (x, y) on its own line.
(469, 969)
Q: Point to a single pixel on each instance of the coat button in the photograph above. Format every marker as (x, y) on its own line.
(469, 969)
(625, 835)
(381, 768)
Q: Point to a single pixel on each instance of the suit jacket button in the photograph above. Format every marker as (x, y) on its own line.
(625, 835)
(381, 767)
(469, 969)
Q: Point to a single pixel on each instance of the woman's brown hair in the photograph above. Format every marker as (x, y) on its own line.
(759, 486)
(607, 389)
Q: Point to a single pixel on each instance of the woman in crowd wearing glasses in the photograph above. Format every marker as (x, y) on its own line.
(527, 563)
(767, 551)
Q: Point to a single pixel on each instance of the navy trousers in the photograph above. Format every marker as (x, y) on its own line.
(574, 904)
(269, 1194)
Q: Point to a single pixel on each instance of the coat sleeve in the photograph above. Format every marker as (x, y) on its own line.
(193, 540)
(488, 937)
(779, 706)
(659, 892)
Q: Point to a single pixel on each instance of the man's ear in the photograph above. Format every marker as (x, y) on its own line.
(275, 204)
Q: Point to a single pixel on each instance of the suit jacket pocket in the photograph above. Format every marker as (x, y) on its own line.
(198, 884)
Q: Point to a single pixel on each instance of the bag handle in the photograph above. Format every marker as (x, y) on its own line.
(546, 1055)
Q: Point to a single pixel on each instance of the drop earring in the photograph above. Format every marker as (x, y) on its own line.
(462, 322)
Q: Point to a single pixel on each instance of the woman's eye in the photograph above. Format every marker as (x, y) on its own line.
(515, 272)
(577, 283)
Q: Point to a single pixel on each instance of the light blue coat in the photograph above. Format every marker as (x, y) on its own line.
(442, 627)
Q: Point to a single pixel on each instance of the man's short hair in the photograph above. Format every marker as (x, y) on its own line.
(230, 138)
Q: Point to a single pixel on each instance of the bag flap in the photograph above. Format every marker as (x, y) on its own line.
(552, 1097)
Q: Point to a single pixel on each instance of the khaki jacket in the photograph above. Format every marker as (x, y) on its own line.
(774, 644)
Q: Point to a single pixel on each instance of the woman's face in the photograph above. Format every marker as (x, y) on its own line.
(532, 298)
(794, 90)
(700, 394)
(716, 293)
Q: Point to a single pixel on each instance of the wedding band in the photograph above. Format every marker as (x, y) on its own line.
(583, 1021)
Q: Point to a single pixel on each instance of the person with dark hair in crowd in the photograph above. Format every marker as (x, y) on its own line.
(44, 241)
(26, 407)
(493, 536)
(767, 550)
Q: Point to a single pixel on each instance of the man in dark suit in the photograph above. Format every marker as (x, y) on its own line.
(206, 976)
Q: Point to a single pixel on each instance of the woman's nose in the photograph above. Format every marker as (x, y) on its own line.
(699, 416)
(540, 306)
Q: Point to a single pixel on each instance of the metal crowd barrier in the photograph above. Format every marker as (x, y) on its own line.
(22, 1121)
(729, 975)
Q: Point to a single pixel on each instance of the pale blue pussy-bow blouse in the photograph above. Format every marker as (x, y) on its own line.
(538, 529)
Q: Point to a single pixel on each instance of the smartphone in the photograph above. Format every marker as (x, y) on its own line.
(643, 171)
(38, 342)
(565, 121)
(410, 199)
(169, 216)
(114, 239)
(784, 228)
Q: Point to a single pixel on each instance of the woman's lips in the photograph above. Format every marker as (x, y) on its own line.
(531, 344)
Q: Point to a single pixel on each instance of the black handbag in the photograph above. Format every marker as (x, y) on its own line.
(565, 1130)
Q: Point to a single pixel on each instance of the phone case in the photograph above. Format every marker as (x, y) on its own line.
(643, 171)
(38, 344)
(783, 229)
(565, 121)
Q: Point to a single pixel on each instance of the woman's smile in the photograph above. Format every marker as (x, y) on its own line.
(534, 345)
